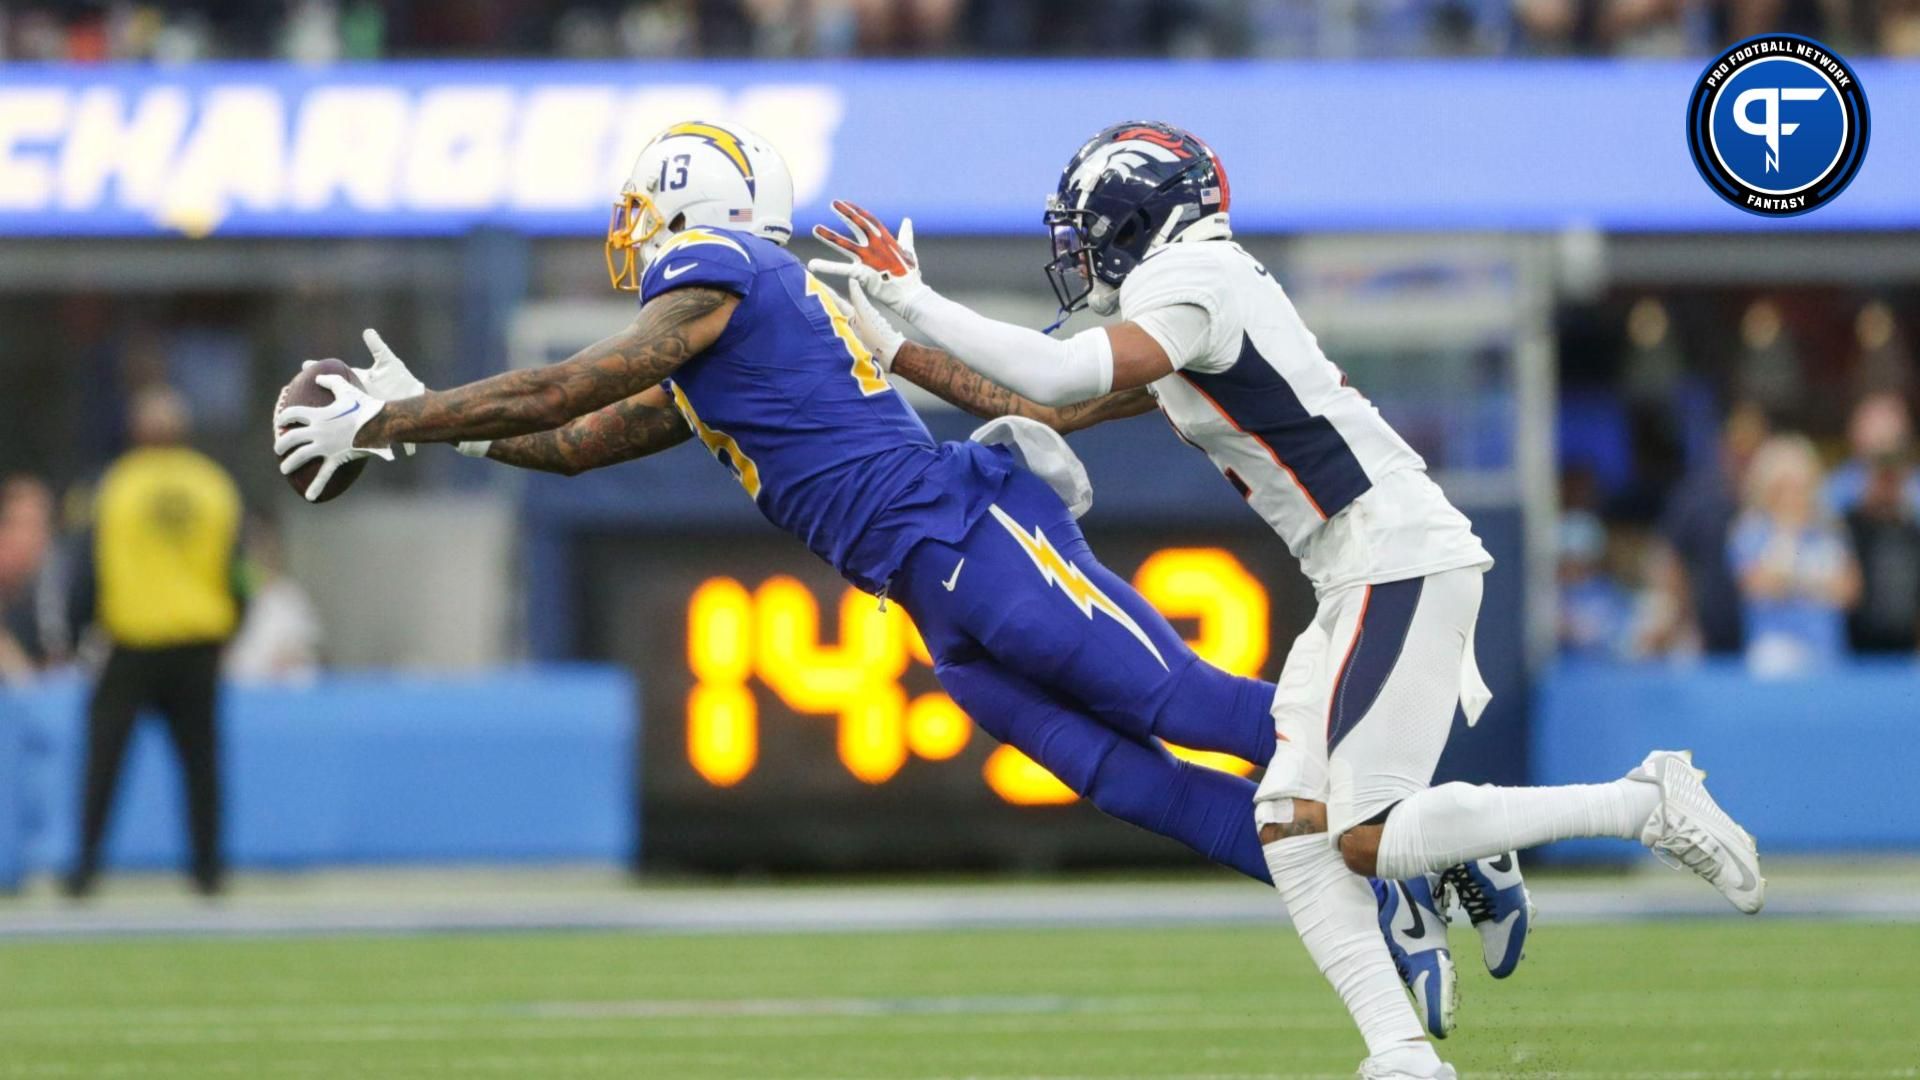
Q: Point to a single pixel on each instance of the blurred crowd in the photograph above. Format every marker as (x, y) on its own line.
(1774, 532)
(325, 31)
(50, 611)
(35, 608)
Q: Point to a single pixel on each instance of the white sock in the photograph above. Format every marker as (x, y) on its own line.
(1454, 823)
(1334, 912)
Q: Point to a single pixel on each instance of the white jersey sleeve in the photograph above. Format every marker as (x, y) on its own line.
(1183, 331)
(1159, 294)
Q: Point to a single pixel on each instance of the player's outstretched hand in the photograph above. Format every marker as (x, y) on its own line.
(388, 377)
(325, 432)
(873, 329)
(884, 265)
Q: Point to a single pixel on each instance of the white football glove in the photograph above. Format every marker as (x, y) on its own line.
(326, 432)
(872, 328)
(886, 267)
(389, 379)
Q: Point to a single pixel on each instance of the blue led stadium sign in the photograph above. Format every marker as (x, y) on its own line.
(435, 149)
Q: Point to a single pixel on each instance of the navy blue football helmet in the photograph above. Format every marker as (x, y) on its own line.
(1129, 189)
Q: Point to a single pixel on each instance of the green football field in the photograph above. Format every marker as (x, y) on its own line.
(1713, 998)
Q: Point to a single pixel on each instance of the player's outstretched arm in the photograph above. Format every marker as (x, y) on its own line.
(943, 375)
(1043, 369)
(643, 424)
(670, 330)
(946, 378)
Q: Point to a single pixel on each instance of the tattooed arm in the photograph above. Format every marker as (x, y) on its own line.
(671, 329)
(940, 374)
(643, 424)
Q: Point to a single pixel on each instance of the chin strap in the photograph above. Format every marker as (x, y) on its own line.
(1059, 322)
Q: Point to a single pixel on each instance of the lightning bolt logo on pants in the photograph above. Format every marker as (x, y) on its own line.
(1071, 580)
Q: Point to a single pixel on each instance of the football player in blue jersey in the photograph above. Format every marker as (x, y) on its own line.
(738, 346)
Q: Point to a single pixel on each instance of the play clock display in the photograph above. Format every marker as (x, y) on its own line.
(794, 722)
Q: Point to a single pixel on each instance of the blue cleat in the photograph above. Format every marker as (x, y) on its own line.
(1496, 899)
(1416, 933)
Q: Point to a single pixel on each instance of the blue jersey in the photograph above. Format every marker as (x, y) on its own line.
(791, 402)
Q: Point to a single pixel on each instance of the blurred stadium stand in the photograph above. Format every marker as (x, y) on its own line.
(322, 31)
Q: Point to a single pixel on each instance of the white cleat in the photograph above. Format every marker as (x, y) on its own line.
(1689, 830)
(1381, 1067)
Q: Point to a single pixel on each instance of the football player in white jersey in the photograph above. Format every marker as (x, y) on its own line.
(1368, 693)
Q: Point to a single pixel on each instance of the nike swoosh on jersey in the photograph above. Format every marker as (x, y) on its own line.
(671, 272)
(955, 578)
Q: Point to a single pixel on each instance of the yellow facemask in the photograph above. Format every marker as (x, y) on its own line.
(635, 221)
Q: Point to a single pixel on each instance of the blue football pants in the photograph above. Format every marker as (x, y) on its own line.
(1052, 653)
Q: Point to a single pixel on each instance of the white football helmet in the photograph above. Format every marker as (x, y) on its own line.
(697, 173)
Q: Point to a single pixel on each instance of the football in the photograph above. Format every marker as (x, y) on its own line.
(305, 389)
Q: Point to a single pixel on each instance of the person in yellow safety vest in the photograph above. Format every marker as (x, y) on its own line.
(167, 598)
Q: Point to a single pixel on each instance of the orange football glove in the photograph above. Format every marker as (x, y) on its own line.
(886, 268)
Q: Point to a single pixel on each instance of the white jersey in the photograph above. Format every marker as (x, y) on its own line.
(1309, 453)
